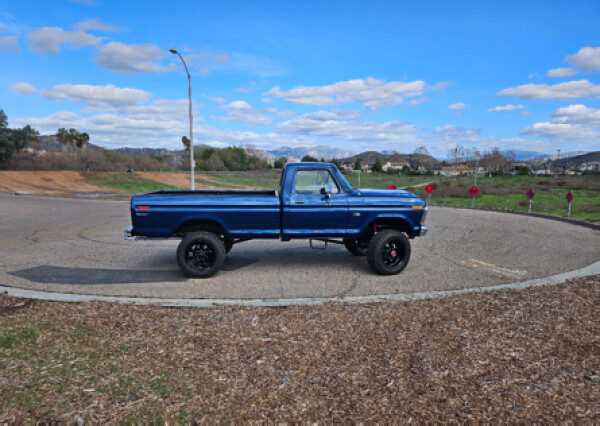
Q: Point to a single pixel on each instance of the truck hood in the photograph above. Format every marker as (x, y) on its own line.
(396, 193)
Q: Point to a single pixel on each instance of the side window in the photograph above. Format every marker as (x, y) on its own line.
(311, 182)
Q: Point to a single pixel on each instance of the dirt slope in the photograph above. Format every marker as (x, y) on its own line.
(49, 183)
(182, 180)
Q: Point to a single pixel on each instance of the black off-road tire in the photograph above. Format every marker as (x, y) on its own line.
(389, 252)
(228, 243)
(200, 254)
(356, 248)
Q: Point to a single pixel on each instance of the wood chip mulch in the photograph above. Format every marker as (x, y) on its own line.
(531, 355)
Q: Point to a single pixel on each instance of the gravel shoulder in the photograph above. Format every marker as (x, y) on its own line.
(529, 355)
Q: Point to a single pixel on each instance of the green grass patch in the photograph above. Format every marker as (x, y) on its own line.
(130, 182)
(583, 207)
(17, 337)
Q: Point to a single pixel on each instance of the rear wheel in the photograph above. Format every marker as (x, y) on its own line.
(357, 247)
(200, 254)
(389, 252)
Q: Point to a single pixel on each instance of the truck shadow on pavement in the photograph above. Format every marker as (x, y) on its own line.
(95, 276)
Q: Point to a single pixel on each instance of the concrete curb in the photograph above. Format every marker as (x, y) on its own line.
(592, 269)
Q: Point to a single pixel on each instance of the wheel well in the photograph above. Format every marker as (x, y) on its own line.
(391, 223)
(199, 225)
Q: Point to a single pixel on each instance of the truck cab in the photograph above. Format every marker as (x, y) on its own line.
(317, 200)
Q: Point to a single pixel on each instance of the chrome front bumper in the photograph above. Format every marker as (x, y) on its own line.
(424, 230)
(128, 233)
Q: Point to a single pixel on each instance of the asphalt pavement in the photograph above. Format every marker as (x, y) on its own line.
(76, 246)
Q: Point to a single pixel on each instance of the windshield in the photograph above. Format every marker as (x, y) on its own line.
(347, 187)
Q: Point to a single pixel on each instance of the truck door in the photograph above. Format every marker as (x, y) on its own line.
(310, 212)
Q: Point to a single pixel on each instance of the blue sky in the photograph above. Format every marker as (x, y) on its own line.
(378, 75)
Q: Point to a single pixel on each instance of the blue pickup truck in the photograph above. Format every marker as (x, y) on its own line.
(314, 202)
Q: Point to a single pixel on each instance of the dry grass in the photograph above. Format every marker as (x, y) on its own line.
(531, 355)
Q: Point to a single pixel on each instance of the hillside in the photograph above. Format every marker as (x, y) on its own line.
(579, 159)
(369, 157)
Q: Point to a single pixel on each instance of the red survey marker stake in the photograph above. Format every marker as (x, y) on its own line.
(429, 189)
(474, 191)
(569, 198)
(530, 194)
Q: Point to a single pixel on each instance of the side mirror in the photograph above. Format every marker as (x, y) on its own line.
(326, 190)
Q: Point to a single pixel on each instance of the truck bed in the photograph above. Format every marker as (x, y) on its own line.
(219, 192)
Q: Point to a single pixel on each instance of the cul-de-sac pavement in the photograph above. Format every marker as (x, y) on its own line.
(76, 246)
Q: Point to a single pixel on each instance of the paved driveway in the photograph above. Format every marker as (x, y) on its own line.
(76, 246)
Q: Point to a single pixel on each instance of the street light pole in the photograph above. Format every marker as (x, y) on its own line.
(192, 162)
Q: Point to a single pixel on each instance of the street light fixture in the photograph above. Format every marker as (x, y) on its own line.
(192, 162)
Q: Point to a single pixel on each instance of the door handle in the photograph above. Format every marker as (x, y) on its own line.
(299, 202)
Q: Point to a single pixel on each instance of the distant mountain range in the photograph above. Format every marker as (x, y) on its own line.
(318, 152)
(589, 157)
(535, 156)
(51, 144)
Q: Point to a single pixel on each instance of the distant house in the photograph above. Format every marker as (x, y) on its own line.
(456, 170)
(393, 165)
(591, 166)
(347, 166)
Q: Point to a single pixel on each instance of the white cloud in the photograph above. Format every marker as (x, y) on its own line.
(567, 90)
(218, 100)
(561, 72)
(132, 58)
(441, 86)
(577, 114)
(163, 109)
(24, 88)
(455, 134)
(418, 101)
(241, 111)
(97, 95)
(457, 106)
(572, 123)
(283, 114)
(588, 59)
(504, 108)
(157, 125)
(50, 39)
(96, 25)
(449, 136)
(562, 132)
(9, 44)
(372, 92)
(335, 125)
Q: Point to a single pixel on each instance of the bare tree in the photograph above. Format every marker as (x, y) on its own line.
(457, 154)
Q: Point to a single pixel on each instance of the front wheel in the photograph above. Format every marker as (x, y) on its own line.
(201, 254)
(389, 252)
